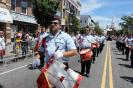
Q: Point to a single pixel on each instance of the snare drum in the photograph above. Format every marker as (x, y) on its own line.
(86, 54)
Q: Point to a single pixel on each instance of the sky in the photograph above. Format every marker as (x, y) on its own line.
(103, 11)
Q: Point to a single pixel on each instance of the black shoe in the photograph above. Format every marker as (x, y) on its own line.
(131, 66)
(127, 59)
(87, 75)
(82, 74)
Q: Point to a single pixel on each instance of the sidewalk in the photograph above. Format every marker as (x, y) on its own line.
(10, 55)
(9, 50)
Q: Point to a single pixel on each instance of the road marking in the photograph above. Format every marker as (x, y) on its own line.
(110, 70)
(12, 70)
(105, 68)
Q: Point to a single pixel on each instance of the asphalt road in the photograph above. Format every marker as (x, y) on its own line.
(110, 70)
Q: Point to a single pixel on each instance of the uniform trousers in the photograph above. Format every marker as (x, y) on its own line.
(131, 58)
(85, 67)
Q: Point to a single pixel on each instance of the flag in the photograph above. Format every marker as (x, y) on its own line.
(42, 81)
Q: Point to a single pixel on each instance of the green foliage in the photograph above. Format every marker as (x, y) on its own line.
(127, 23)
(44, 10)
(97, 28)
(75, 23)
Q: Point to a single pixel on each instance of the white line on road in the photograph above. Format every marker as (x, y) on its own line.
(12, 70)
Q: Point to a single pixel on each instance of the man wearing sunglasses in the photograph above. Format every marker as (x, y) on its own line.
(61, 40)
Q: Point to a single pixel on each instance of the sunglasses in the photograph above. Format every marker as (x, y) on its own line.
(54, 23)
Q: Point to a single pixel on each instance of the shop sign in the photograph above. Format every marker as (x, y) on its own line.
(63, 21)
(23, 18)
(5, 16)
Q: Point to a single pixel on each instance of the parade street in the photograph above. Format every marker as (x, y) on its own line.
(110, 70)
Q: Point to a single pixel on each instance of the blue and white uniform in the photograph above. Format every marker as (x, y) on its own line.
(91, 39)
(61, 40)
(84, 42)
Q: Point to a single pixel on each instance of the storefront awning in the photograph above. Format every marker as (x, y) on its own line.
(23, 18)
(5, 16)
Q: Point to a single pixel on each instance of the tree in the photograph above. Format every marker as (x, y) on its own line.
(75, 23)
(127, 23)
(44, 10)
(97, 28)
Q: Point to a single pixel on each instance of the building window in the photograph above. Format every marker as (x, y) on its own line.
(81, 21)
(64, 3)
(3, 1)
(24, 6)
(85, 21)
(13, 5)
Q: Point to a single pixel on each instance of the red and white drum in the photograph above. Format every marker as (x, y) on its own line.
(86, 54)
(59, 76)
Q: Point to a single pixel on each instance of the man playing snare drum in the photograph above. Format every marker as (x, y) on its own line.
(84, 45)
(61, 40)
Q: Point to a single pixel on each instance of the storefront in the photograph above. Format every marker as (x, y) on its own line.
(5, 21)
(22, 22)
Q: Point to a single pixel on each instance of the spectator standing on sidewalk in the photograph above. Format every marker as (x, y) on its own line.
(18, 43)
(32, 43)
(2, 44)
(27, 38)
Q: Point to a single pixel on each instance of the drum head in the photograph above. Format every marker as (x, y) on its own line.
(84, 51)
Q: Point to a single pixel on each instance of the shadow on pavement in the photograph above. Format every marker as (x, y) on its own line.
(1, 86)
(125, 65)
(117, 54)
(122, 59)
(129, 79)
(115, 50)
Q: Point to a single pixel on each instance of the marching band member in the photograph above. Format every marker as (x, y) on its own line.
(84, 44)
(102, 39)
(60, 41)
(97, 42)
(123, 44)
(94, 44)
(41, 50)
(130, 46)
(128, 42)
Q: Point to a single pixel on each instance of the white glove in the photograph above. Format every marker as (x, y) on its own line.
(58, 55)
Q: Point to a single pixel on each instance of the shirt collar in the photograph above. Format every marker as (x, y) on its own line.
(51, 35)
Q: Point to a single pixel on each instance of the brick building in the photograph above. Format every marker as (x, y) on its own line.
(5, 19)
(69, 8)
(23, 19)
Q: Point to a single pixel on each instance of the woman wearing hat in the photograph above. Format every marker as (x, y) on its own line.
(2, 44)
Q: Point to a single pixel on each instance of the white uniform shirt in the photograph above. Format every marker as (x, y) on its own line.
(62, 40)
(129, 41)
(2, 43)
(84, 42)
(91, 39)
